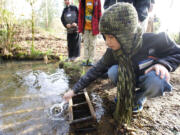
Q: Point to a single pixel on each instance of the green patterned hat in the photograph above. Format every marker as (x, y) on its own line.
(121, 21)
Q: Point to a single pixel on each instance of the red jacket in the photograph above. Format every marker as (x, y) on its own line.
(95, 18)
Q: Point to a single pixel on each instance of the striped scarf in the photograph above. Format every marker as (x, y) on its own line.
(121, 21)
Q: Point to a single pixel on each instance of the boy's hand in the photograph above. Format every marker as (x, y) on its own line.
(68, 95)
(159, 69)
(68, 25)
(74, 24)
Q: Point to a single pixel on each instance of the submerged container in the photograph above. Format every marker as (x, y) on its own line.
(82, 116)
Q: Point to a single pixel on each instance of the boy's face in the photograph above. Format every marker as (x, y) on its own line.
(66, 2)
(112, 43)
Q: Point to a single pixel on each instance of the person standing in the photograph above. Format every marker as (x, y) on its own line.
(150, 26)
(142, 7)
(69, 19)
(88, 23)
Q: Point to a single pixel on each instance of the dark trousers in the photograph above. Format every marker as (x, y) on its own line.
(74, 42)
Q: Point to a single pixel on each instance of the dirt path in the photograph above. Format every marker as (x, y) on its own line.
(57, 45)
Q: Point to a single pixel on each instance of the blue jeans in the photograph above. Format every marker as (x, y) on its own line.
(150, 85)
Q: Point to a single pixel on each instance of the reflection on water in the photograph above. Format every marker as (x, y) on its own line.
(28, 91)
(58, 111)
(97, 101)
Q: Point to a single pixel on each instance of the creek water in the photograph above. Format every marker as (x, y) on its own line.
(28, 90)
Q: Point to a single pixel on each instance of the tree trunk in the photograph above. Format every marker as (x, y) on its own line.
(47, 20)
(32, 23)
(179, 38)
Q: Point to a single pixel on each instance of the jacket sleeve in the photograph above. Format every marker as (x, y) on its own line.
(96, 71)
(77, 13)
(80, 17)
(99, 10)
(142, 7)
(171, 51)
(108, 3)
(63, 20)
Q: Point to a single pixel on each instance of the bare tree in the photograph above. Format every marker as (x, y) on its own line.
(7, 29)
(32, 2)
(46, 9)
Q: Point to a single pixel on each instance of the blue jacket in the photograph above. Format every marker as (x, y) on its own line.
(159, 46)
(142, 6)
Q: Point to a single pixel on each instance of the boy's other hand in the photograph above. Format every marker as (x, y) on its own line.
(74, 24)
(68, 25)
(160, 70)
(68, 95)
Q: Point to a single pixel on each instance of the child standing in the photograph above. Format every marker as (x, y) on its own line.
(89, 16)
(69, 19)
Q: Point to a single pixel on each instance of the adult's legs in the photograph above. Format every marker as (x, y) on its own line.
(75, 43)
(144, 24)
(92, 46)
(86, 45)
(70, 45)
(89, 45)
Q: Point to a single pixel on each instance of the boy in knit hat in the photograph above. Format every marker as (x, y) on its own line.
(134, 61)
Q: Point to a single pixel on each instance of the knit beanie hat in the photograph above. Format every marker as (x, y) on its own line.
(121, 21)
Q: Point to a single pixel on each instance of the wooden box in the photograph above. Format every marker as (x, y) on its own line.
(82, 116)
